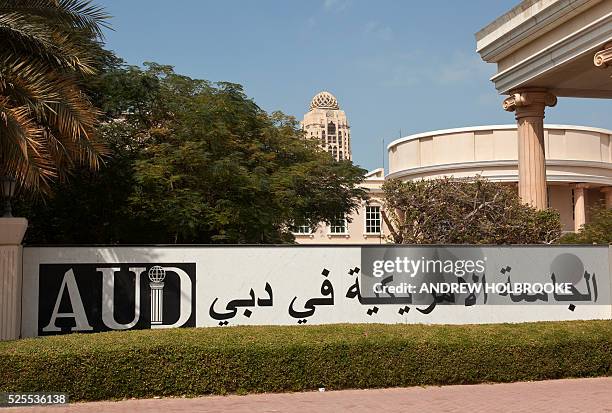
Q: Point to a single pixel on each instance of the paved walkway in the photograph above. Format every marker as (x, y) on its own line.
(572, 395)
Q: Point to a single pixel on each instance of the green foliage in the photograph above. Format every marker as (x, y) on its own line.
(179, 362)
(597, 231)
(193, 162)
(455, 211)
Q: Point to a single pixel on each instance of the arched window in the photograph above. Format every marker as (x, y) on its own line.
(331, 128)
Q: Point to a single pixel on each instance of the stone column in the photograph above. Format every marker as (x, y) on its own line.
(579, 206)
(12, 231)
(607, 191)
(528, 106)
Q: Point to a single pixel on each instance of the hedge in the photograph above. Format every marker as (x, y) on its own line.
(190, 362)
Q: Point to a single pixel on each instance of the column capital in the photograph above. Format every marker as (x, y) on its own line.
(603, 58)
(581, 186)
(529, 102)
(606, 189)
(12, 230)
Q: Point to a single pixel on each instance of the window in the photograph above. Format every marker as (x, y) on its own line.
(334, 152)
(341, 155)
(372, 219)
(331, 128)
(338, 225)
(302, 227)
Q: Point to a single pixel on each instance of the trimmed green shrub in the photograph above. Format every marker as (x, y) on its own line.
(190, 362)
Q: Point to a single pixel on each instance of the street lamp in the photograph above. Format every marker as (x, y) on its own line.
(7, 188)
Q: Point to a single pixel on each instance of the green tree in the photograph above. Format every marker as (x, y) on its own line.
(47, 123)
(194, 162)
(219, 168)
(455, 211)
(597, 231)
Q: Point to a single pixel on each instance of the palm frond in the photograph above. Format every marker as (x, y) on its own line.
(22, 150)
(47, 124)
(24, 38)
(68, 13)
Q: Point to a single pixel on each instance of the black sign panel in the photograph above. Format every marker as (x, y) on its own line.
(103, 297)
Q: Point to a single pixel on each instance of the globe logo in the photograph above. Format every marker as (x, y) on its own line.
(157, 274)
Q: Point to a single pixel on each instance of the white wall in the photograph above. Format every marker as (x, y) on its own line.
(294, 274)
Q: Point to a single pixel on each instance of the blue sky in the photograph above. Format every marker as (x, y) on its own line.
(393, 65)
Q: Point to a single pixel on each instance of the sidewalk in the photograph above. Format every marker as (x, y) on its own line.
(571, 395)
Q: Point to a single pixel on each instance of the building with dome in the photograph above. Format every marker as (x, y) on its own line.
(543, 49)
(578, 173)
(326, 123)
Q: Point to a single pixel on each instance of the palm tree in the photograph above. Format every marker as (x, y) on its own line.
(47, 123)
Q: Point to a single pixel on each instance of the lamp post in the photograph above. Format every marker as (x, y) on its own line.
(7, 188)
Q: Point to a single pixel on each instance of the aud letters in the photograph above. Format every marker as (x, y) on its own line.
(101, 297)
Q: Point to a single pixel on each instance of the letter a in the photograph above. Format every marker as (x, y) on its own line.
(78, 311)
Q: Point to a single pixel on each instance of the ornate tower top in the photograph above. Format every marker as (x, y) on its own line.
(327, 124)
(324, 100)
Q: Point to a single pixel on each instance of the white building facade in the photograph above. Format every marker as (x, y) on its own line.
(578, 162)
(578, 174)
(364, 226)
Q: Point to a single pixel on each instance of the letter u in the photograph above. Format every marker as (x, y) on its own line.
(108, 301)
